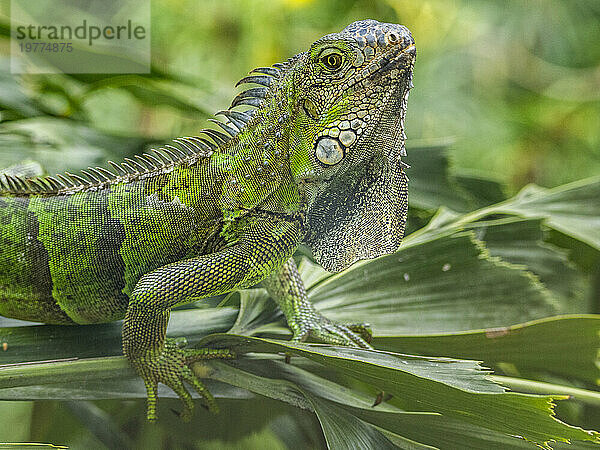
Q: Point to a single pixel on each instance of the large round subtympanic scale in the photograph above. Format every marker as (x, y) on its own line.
(329, 151)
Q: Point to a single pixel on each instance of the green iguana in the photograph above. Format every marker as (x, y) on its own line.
(317, 162)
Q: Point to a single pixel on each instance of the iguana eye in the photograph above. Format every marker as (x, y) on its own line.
(333, 61)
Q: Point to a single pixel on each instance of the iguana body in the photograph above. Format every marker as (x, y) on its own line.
(317, 162)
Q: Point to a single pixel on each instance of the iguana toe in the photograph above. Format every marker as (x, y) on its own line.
(363, 330)
(172, 367)
(323, 329)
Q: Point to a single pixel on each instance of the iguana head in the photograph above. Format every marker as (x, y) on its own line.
(337, 112)
(351, 90)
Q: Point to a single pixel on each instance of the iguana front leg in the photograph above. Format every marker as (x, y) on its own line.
(287, 289)
(263, 247)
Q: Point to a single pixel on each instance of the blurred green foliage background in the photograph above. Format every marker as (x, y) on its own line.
(515, 86)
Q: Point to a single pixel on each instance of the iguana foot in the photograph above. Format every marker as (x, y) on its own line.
(286, 288)
(172, 367)
(323, 329)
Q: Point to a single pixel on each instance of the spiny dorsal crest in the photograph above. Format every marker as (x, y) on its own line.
(185, 150)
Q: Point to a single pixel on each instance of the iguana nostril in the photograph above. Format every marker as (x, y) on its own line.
(393, 38)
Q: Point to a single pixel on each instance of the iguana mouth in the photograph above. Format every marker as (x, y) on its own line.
(388, 64)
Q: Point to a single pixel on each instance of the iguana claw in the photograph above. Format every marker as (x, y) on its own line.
(172, 367)
(323, 329)
(363, 330)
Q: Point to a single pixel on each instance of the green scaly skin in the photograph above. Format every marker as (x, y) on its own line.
(317, 162)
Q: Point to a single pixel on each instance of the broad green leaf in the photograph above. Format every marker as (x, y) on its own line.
(439, 431)
(505, 412)
(466, 375)
(585, 257)
(430, 183)
(314, 389)
(567, 346)
(432, 429)
(520, 241)
(311, 377)
(445, 284)
(527, 386)
(428, 428)
(510, 413)
(572, 209)
(257, 313)
(345, 431)
(48, 342)
(483, 190)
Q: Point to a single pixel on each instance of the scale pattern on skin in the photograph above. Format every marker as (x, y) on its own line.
(314, 158)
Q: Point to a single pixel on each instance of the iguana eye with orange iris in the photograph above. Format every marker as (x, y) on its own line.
(332, 61)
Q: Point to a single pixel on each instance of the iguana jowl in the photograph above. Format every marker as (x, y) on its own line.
(318, 161)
